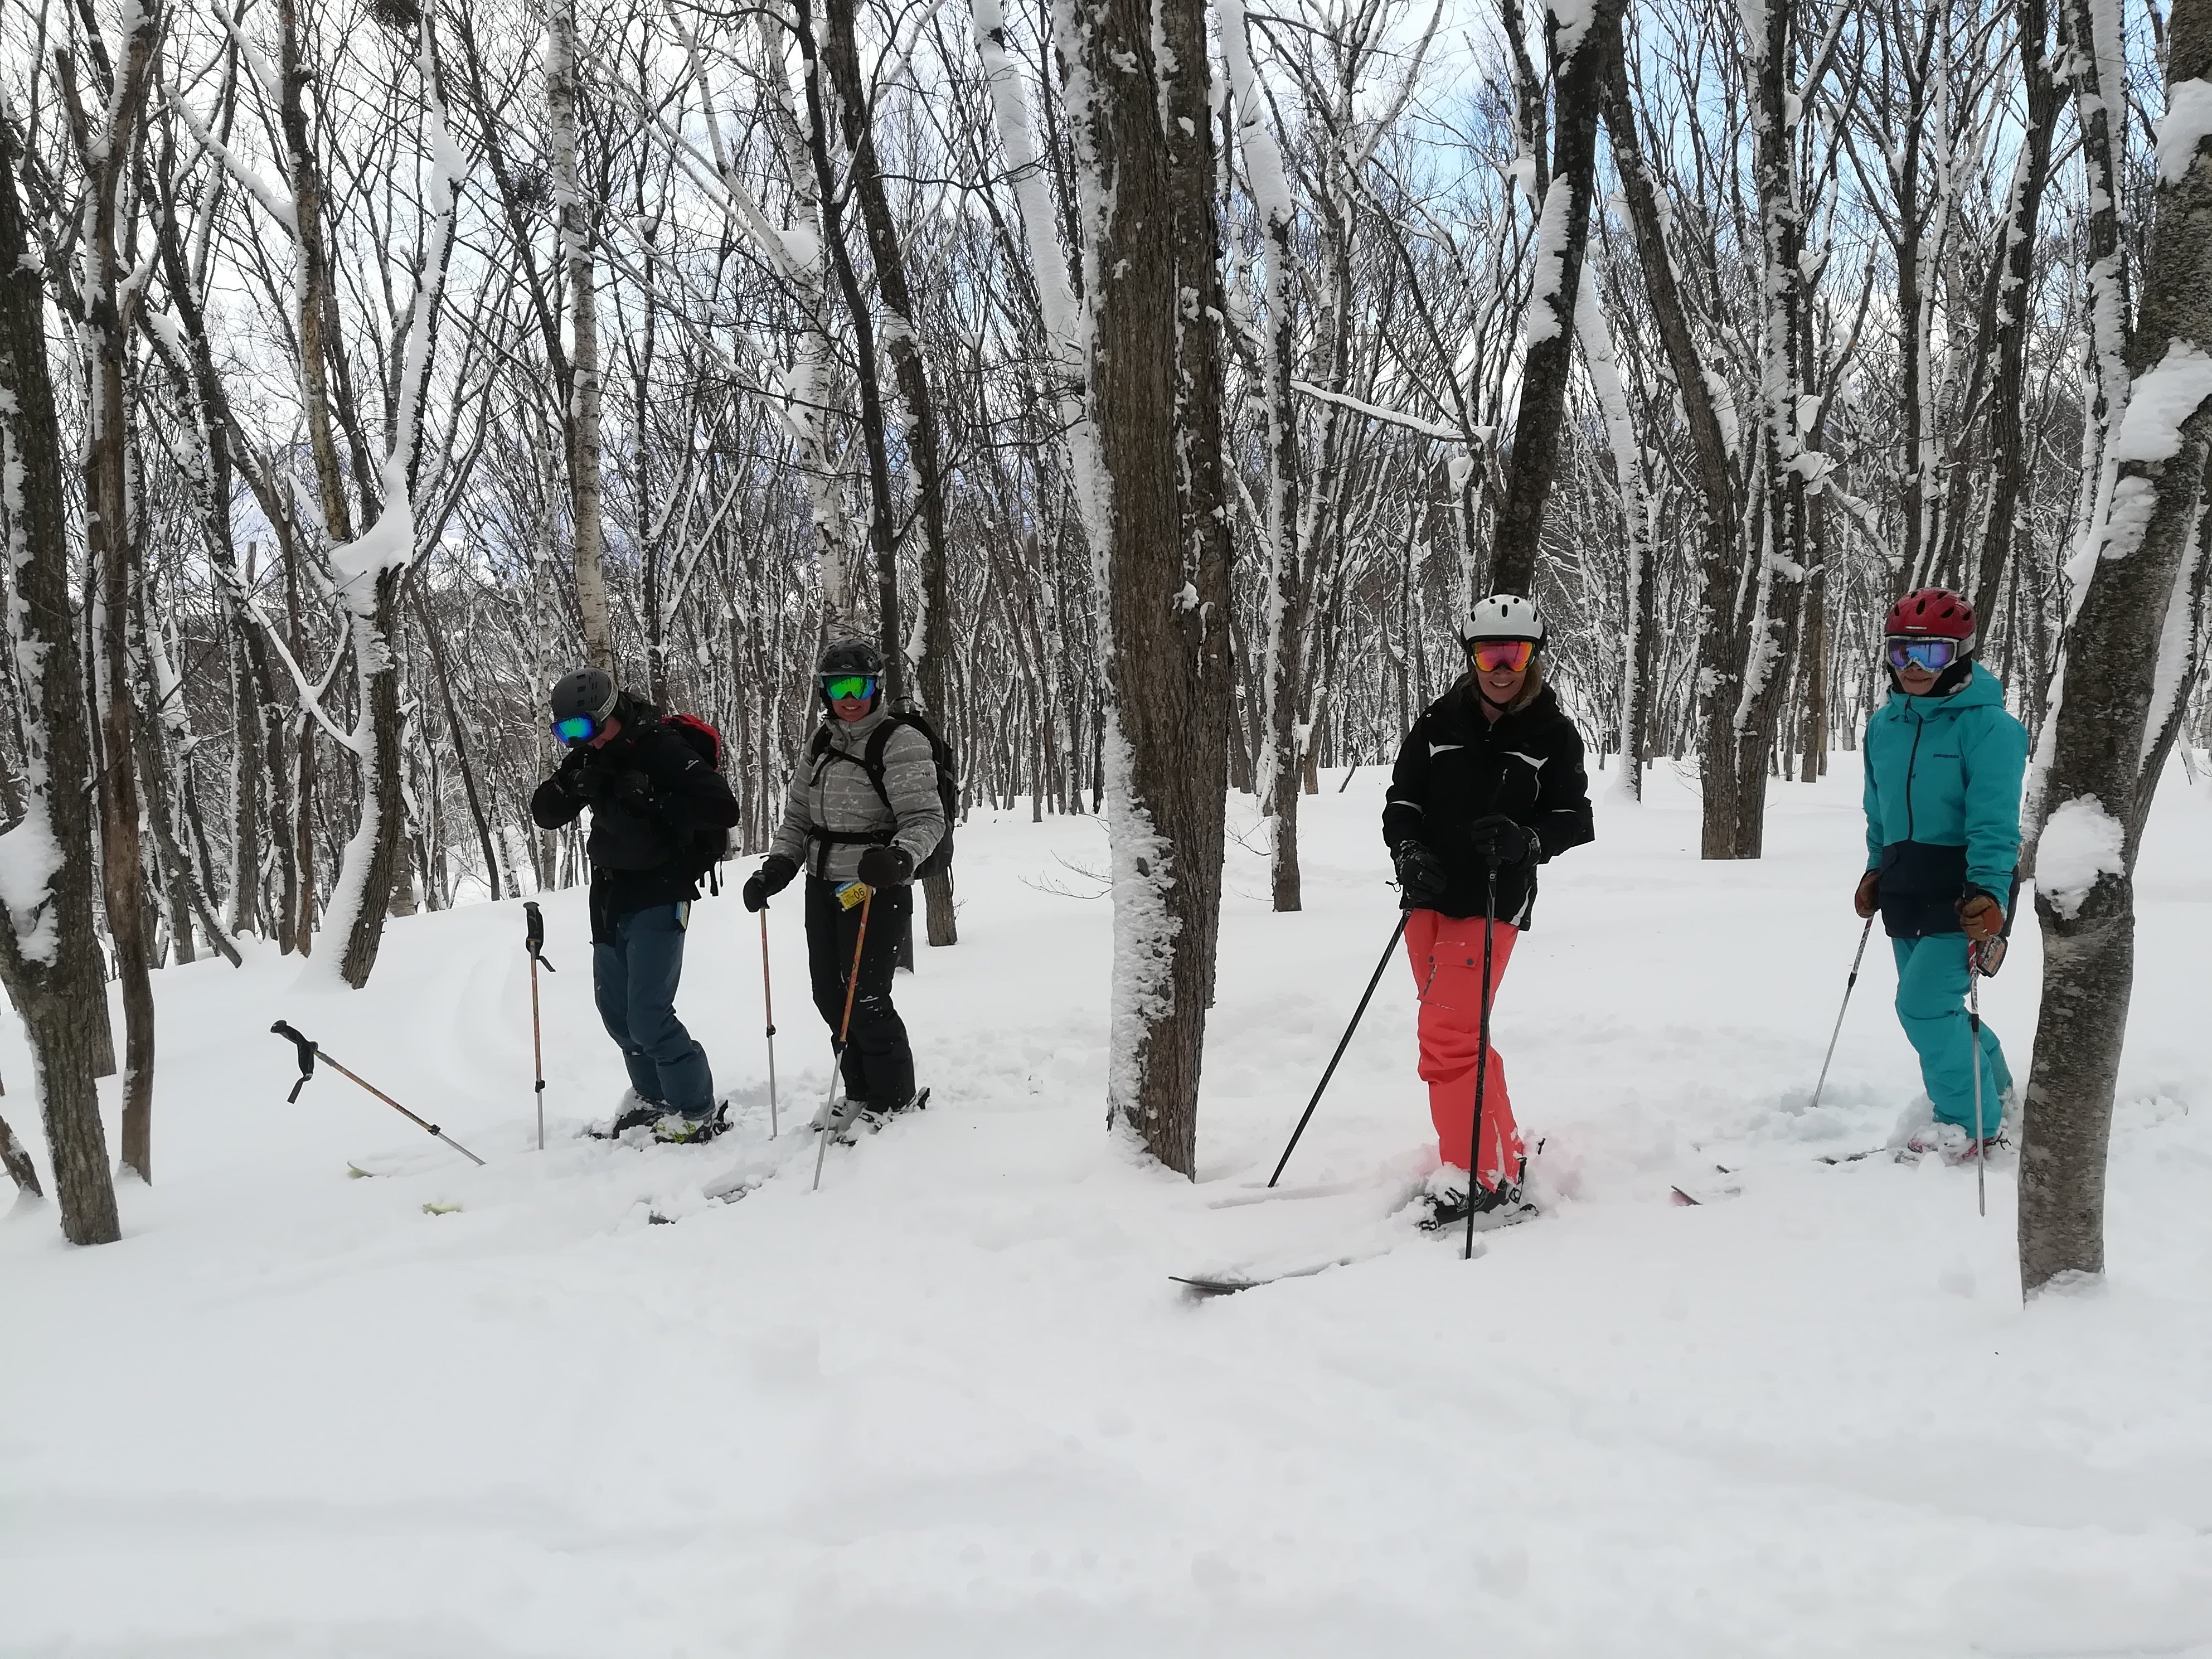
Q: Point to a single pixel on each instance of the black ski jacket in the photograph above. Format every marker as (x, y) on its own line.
(642, 848)
(1456, 767)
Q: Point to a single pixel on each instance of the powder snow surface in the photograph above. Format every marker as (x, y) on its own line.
(951, 1406)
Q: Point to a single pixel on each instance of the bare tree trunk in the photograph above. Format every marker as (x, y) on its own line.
(1152, 288)
(372, 570)
(1720, 653)
(2121, 658)
(580, 424)
(1769, 631)
(881, 543)
(49, 955)
(114, 555)
(460, 743)
(15, 1159)
(1562, 235)
(2009, 280)
(300, 925)
(1283, 607)
(841, 53)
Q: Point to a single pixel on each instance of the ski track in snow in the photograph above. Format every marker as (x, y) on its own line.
(951, 1406)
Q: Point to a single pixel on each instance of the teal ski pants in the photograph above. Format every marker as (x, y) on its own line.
(1931, 1005)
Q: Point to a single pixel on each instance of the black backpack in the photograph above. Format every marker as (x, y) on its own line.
(948, 778)
(709, 842)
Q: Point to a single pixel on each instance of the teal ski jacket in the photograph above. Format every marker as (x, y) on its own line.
(1942, 803)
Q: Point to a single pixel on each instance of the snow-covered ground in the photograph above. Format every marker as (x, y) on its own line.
(952, 1404)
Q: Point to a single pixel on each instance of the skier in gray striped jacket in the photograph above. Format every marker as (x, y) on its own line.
(863, 806)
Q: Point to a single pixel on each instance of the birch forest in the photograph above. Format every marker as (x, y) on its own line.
(1158, 383)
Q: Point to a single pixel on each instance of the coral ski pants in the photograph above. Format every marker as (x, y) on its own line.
(1446, 952)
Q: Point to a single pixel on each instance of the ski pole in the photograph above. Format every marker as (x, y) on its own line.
(845, 1025)
(1856, 957)
(1974, 1027)
(1482, 1060)
(534, 940)
(1375, 979)
(310, 1052)
(767, 1000)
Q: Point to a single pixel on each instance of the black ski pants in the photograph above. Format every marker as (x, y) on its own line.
(878, 1063)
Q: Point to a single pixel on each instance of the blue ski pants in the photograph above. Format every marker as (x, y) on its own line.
(634, 977)
(1931, 1006)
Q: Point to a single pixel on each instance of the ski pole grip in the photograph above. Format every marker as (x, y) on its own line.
(534, 934)
(307, 1048)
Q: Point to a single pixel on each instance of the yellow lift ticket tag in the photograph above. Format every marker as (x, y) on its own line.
(854, 894)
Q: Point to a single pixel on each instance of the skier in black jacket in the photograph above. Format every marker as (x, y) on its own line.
(656, 808)
(1490, 777)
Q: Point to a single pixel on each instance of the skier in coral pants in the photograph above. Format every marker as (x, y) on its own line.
(1490, 778)
(1446, 952)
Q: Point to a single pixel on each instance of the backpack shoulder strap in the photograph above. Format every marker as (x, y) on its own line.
(872, 757)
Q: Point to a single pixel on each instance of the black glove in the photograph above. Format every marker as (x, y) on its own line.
(1421, 875)
(773, 877)
(588, 781)
(1505, 843)
(631, 788)
(886, 867)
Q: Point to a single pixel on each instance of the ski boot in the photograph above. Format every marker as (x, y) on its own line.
(837, 1117)
(876, 1116)
(632, 1111)
(1445, 1203)
(679, 1129)
(1951, 1142)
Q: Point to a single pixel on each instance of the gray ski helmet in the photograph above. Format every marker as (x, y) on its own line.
(590, 691)
(849, 656)
(1503, 617)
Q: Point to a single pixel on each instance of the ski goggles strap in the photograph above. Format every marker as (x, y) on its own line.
(1931, 655)
(1503, 656)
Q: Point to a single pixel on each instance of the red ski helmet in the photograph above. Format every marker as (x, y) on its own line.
(1933, 613)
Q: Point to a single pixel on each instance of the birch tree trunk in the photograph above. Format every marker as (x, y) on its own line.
(1139, 103)
(580, 424)
(2123, 669)
(48, 957)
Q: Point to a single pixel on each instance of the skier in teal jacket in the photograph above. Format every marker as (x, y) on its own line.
(1944, 762)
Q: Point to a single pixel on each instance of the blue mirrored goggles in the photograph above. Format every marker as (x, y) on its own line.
(1931, 656)
(577, 728)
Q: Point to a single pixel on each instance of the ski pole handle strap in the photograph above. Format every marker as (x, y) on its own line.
(307, 1048)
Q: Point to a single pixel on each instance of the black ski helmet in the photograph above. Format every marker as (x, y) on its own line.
(849, 656)
(590, 691)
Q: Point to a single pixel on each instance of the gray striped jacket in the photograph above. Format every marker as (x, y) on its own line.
(832, 791)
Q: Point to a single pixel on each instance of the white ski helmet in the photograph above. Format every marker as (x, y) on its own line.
(1503, 617)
